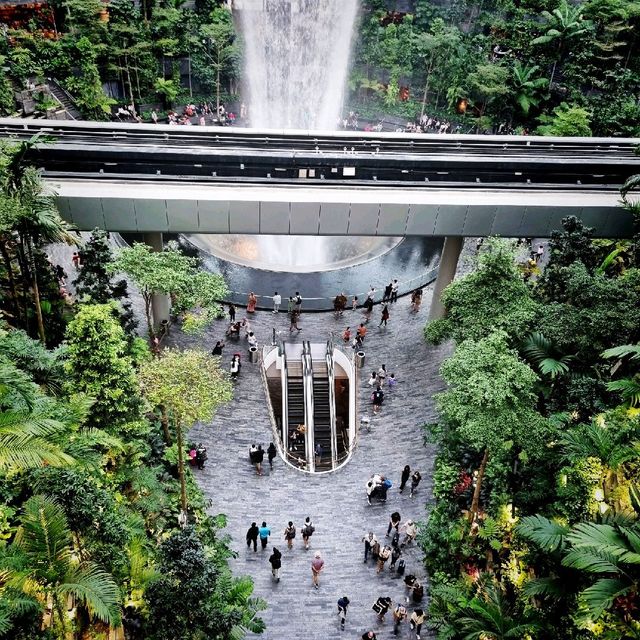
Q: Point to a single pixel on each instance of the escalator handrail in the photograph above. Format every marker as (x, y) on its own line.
(307, 381)
(332, 401)
(284, 377)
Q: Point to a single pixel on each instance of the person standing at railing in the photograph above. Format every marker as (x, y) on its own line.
(277, 301)
(386, 296)
(394, 291)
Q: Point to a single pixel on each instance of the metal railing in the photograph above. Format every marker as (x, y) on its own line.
(307, 383)
(332, 401)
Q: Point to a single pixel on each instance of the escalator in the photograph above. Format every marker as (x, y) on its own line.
(322, 419)
(295, 417)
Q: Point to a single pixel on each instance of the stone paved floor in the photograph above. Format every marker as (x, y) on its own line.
(336, 502)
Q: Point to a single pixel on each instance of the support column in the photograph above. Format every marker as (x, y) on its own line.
(446, 273)
(160, 303)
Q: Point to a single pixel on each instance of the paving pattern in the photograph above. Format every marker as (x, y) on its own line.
(335, 502)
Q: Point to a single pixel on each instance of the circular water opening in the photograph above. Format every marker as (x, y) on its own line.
(300, 254)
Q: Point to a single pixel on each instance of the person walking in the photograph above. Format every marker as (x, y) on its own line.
(368, 308)
(410, 532)
(372, 293)
(277, 301)
(258, 456)
(362, 332)
(252, 536)
(346, 335)
(373, 379)
(382, 374)
(75, 259)
(264, 532)
(417, 592)
(276, 563)
(394, 291)
(386, 296)
(383, 555)
(354, 303)
(318, 451)
(290, 534)
(307, 531)
(377, 397)
(290, 305)
(415, 481)
(416, 621)
(396, 552)
(370, 541)
(272, 452)
(297, 302)
(406, 473)
(399, 616)
(232, 312)
(343, 605)
(317, 565)
(394, 523)
(384, 318)
(295, 314)
(416, 299)
(381, 607)
(252, 301)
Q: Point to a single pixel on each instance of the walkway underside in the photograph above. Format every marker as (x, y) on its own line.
(157, 204)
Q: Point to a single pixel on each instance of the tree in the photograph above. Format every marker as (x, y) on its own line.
(98, 365)
(565, 25)
(434, 47)
(493, 297)
(527, 87)
(566, 121)
(490, 402)
(94, 283)
(170, 272)
(190, 386)
(42, 563)
(7, 104)
(167, 90)
(218, 36)
(195, 598)
(486, 83)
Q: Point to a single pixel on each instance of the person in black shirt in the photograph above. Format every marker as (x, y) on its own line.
(217, 350)
(252, 536)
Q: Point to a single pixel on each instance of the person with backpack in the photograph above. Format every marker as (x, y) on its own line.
(264, 533)
(259, 457)
(252, 536)
(297, 302)
(396, 552)
(343, 605)
(290, 534)
(381, 607)
(307, 531)
(383, 555)
(417, 593)
(377, 397)
(410, 531)
(276, 563)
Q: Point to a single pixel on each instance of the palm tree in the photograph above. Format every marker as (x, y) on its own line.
(564, 25)
(611, 552)
(42, 564)
(28, 435)
(33, 214)
(541, 352)
(527, 87)
(628, 387)
(487, 615)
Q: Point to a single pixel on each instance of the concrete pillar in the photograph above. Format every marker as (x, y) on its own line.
(160, 303)
(446, 273)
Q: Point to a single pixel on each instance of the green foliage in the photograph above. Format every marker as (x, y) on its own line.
(566, 121)
(98, 365)
(493, 297)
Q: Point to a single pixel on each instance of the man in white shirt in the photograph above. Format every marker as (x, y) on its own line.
(277, 301)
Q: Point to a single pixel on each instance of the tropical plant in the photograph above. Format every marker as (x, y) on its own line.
(628, 387)
(42, 563)
(527, 87)
(567, 120)
(541, 352)
(565, 24)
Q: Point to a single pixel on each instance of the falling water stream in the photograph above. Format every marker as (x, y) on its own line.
(296, 60)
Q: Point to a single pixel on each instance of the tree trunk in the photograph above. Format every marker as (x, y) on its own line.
(553, 73)
(164, 421)
(426, 87)
(183, 484)
(36, 291)
(218, 91)
(147, 312)
(475, 502)
(190, 87)
(12, 282)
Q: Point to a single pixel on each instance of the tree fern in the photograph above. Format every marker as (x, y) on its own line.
(547, 534)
